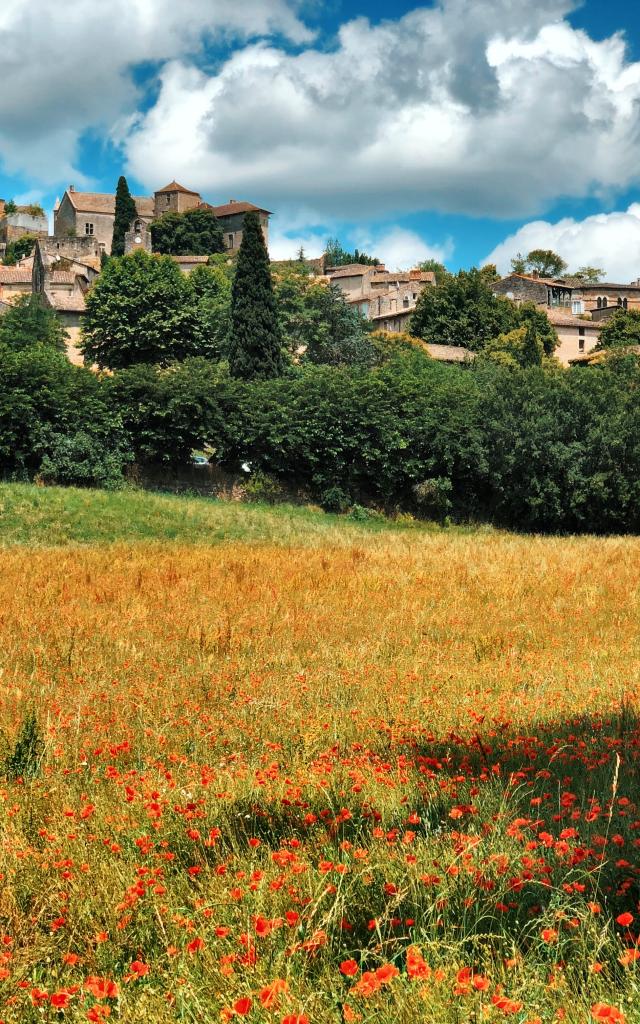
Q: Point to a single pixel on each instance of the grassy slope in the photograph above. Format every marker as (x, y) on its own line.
(59, 516)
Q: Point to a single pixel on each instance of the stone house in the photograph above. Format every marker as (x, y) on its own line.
(387, 299)
(92, 214)
(568, 293)
(26, 220)
(63, 271)
(14, 282)
(577, 336)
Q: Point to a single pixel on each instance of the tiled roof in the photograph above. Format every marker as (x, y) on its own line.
(62, 277)
(560, 319)
(425, 276)
(15, 275)
(351, 270)
(175, 187)
(190, 259)
(103, 202)
(230, 209)
(449, 353)
(393, 314)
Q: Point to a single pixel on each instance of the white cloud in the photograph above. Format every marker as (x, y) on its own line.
(401, 249)
(610, 241)
(492, 108)
(67, 67)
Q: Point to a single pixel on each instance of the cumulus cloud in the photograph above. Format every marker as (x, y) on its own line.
(396, 247)
(610, 241)
(491, 108)
(65, 71)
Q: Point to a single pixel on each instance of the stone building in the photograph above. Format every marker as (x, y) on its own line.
(63, 271)
(25, 220)
(14, 282)
(387, 299)
(92, 215)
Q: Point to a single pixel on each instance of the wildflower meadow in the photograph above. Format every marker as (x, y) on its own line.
(361, 776)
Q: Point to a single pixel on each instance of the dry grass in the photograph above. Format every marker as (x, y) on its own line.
(264, 761)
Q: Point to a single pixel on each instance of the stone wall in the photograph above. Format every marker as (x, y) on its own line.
(521, 289)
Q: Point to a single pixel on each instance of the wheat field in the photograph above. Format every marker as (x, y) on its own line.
(385, 776)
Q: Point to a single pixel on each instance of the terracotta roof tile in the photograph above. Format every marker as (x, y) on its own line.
(230, 209)
(174, 186)
(65, 303)
(103, 202)
(15, 275)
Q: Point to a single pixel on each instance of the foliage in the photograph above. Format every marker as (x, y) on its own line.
(433, 497)
(545, 262)
(519, 347)
(211, 290)
(140, 310)
(194, 233)
(319, 325)
(592, 275)
(25, 759)
(435, 267)
(29, 322)
(462, 311)
(57, 419)
(337, 256)
(10, 207)
(169, 412)
(255, 342)
(623, 328)
(125, 215)
(17, 250)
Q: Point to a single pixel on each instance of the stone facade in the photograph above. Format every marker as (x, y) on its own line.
(92, 214)
(388, 299)
(14, 282)
(24, 221)
(63, 271)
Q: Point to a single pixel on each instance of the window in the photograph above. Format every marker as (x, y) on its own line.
(88, 229)
(622, 303)
(577, 306)
(581, 339)
(230, 241)
(167, 200)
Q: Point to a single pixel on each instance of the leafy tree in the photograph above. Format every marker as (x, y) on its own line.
(140, 310)
(490, 273)
(337, 256)
(10, 207)
(17, 250)
(623, 328)
(520, 347)
(255, 342)
(211, 289)
(519, 264)
(592, 275)
(546, 262)
(29, 322)
(126, 214)
(462, 311)
(531, 315)
(194, 233)
(436, 268)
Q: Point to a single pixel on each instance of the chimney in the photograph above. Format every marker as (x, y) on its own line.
(71, 188)
(535, 273)
(231, 201)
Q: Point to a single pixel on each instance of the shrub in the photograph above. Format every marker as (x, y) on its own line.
(25, 759)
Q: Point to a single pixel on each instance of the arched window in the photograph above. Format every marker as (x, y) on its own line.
(599, 302)
(605, 302)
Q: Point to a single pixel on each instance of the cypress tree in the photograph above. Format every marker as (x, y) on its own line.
(255, 344)
(126, 213)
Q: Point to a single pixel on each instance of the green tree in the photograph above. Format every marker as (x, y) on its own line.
(519, 264)
(623, 328)
(463, 311)
(126, 214)
(29, 322)
(546, 262)
(434, 267)
(140, 310)
(194, 233)
(255, 343)
(531, 315)
(17, 250)
(10, 207)
(337, 256)
(211, 289)
(592, 275)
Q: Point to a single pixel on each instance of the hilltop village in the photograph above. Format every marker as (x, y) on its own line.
(61, 268)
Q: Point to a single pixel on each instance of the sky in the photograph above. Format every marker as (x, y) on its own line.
(460, 130)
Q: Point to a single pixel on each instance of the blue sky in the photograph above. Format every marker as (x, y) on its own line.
(458, 129)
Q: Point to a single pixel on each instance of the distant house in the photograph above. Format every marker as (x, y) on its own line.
(25, 220)
(577, 336)
(63, 271)
(388, 299)
(92, 214)
(14, 282)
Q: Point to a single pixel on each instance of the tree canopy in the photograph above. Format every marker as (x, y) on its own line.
(17, 250)
(194, 233)
(126, 214)
(337, 256)
(255, 341)
(140, 310)
(545, 262)
(623, 328)
(462, 311)
(29, 322)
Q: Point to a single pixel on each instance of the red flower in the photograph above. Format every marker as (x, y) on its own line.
(349, 968)
(601, 1011)
(243, 1006)
(625, 919)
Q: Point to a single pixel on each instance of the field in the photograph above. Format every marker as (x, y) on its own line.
(289, 769)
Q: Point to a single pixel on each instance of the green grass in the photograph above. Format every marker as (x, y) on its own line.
(54, 516)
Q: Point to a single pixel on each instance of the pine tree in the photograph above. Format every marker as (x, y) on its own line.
(126, 213)
(255, 345)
